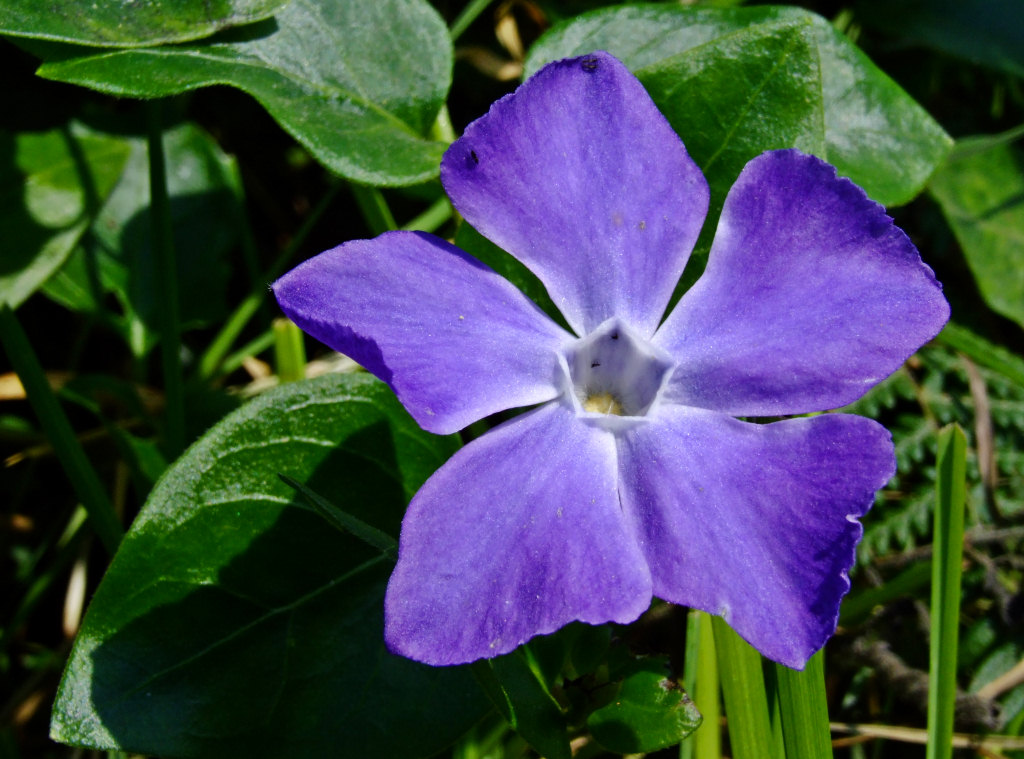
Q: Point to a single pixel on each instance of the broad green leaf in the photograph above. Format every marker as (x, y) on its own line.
(128, 23)
(205, 196)
(648, 713)
(358, 83)
(51, 184)
(982, 31)
(235, 622)
(871, 130)
(982, 197)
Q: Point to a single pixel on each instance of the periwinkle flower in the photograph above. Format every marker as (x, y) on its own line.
(631, 476)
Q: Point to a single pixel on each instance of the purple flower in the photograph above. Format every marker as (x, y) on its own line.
(632, 476)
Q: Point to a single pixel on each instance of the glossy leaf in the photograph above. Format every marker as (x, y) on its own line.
(241, 624)
(358, 83)
(51, 185)
(128, 23)
(205, 206)
(982, 197)
(648, 713)
(867, 126)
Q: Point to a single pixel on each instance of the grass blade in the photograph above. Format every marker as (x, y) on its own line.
(803, 709)
(743, 689)
(947, 554)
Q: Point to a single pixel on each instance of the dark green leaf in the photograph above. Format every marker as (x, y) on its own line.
(128, 23)
(51, 184)
(982, 198)
(344, 521)
(522, 698)
(232, 623)
(870, 129)
(984, 31)
(649, 712)
(205, 203)
(358, 83)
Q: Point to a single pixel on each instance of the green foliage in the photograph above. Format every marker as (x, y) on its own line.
(117, 257)
(981, 193)
(205, 593)
(54, 184)
(129, 23)
(736, 82)
(357, 83)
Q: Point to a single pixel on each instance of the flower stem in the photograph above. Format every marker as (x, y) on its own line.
(55, 424)
(947, 554)
(167, 271)
(289, 351)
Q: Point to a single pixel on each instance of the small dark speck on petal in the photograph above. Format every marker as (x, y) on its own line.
(589, 64)
(614, 335)
(474, 156)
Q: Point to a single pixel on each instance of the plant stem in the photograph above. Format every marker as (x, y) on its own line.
(467, 17)
(225, 339)
(437, 214)
(167, 271)
(55, 424)
(947, 555)
(374, 208)
(289, 351)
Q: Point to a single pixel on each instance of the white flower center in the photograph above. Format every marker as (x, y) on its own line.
(614, 373)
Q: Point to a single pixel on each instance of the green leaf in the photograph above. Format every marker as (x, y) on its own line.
(520, 695)
(982, 197)
(649, 712)
(205, 205)
(128, 23)
(871, 130)
(232, 623)
(51, 183)
(990, 32)
(344, 521)
(358, 83)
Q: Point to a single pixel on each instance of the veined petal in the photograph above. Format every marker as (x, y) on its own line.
(754, 522)
(455, 340)
(579, 176)
(810, 296)
(517, 535)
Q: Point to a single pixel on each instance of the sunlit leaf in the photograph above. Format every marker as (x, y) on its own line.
(128, 23)
(358, 83)
(234, 621)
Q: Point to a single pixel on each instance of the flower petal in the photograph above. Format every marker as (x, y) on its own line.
(455, 340)
(754, 522)
(811, 296)
(517, 535)
(580, 177)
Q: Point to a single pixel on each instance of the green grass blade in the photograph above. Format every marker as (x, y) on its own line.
(168, 306)
(947, 554)
(803, 709)
(743, 689)
(55, 424)
(707, 741)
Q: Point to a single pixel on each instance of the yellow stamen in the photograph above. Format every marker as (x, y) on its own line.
(603, 403)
